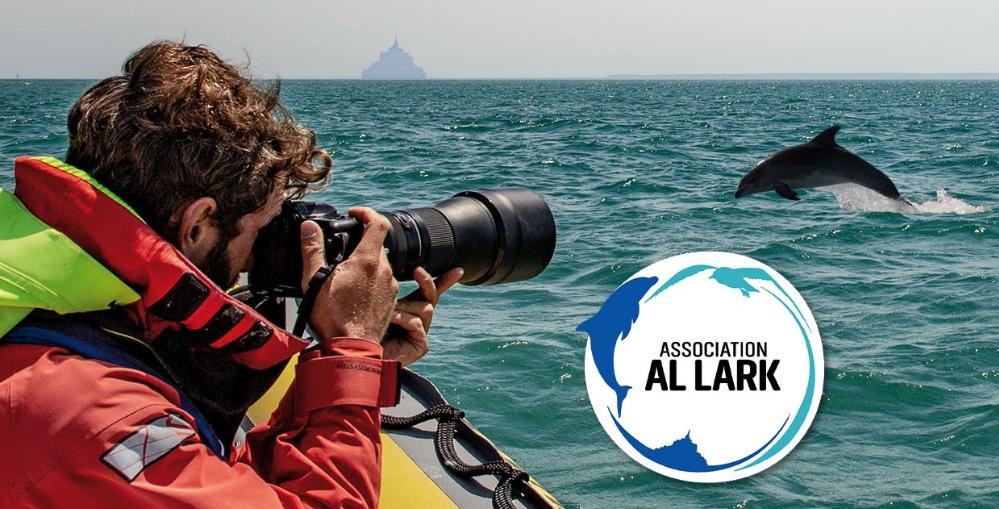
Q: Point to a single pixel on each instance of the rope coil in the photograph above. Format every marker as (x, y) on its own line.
(447, 418)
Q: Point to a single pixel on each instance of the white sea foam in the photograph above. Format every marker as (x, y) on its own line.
(853, 197)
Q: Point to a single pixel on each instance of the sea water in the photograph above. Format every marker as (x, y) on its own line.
(635, 171)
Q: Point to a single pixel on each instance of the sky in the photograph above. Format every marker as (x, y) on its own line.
(512, 38)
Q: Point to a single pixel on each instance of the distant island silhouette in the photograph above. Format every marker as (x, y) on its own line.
(394, 64)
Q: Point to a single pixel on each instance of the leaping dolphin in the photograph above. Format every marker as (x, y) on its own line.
(820, 162)
(611, 324)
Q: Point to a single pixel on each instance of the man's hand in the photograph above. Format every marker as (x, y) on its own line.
(406, 339)
(357, 300)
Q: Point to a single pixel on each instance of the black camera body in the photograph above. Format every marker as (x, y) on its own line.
(495, 235)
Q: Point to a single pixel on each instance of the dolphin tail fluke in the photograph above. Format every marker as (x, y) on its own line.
(621, 393)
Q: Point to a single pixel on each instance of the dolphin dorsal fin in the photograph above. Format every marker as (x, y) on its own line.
(827, 138)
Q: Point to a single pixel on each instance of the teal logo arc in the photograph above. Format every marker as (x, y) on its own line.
(705, 367)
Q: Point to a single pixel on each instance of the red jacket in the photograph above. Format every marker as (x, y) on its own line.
(82, 433)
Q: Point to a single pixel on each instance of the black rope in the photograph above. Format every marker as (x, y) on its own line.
(448, 418)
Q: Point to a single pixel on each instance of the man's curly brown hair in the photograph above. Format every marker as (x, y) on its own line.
(180, 123)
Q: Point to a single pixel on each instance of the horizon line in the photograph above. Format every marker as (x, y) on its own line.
(627, 76)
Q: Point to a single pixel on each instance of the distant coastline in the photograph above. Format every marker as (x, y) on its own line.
(811, 76)
(979, 76)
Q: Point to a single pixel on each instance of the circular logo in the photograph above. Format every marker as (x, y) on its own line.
(704, 367)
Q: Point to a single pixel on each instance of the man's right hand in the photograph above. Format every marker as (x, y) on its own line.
(358, 299)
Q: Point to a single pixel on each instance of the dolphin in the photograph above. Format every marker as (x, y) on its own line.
(820, 162)
(611, 324)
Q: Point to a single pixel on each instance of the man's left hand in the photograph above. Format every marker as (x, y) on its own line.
(406, 339)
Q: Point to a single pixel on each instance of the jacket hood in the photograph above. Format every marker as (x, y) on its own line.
(69, 245)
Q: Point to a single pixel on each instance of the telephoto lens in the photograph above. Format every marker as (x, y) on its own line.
(495, 235)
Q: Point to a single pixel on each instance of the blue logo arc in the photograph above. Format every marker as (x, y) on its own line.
(613, 323)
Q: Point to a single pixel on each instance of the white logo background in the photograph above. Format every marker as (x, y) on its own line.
(725, 425)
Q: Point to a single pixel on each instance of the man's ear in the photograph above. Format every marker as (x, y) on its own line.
(197, 234)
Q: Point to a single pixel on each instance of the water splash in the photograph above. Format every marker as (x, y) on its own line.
(853, 197)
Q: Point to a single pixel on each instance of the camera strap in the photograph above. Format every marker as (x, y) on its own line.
(309, 299)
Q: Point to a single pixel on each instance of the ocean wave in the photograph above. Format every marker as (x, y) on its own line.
(638, 171)
(853, 197)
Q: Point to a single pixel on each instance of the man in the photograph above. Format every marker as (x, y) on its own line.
(124, 367)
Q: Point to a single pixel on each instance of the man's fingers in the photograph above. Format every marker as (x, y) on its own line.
(427, 290)
(448, 280)
(430, 289)
(420, 308)
(375, 229)
(313, 253)
(408, 321)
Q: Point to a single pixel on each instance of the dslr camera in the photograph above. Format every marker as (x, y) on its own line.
(495, 235)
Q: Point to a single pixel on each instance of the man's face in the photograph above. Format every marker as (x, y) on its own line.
(226, 260)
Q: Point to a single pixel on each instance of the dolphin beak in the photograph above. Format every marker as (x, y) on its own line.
(740, 193)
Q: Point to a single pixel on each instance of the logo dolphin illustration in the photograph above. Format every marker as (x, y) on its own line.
(611, 324)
